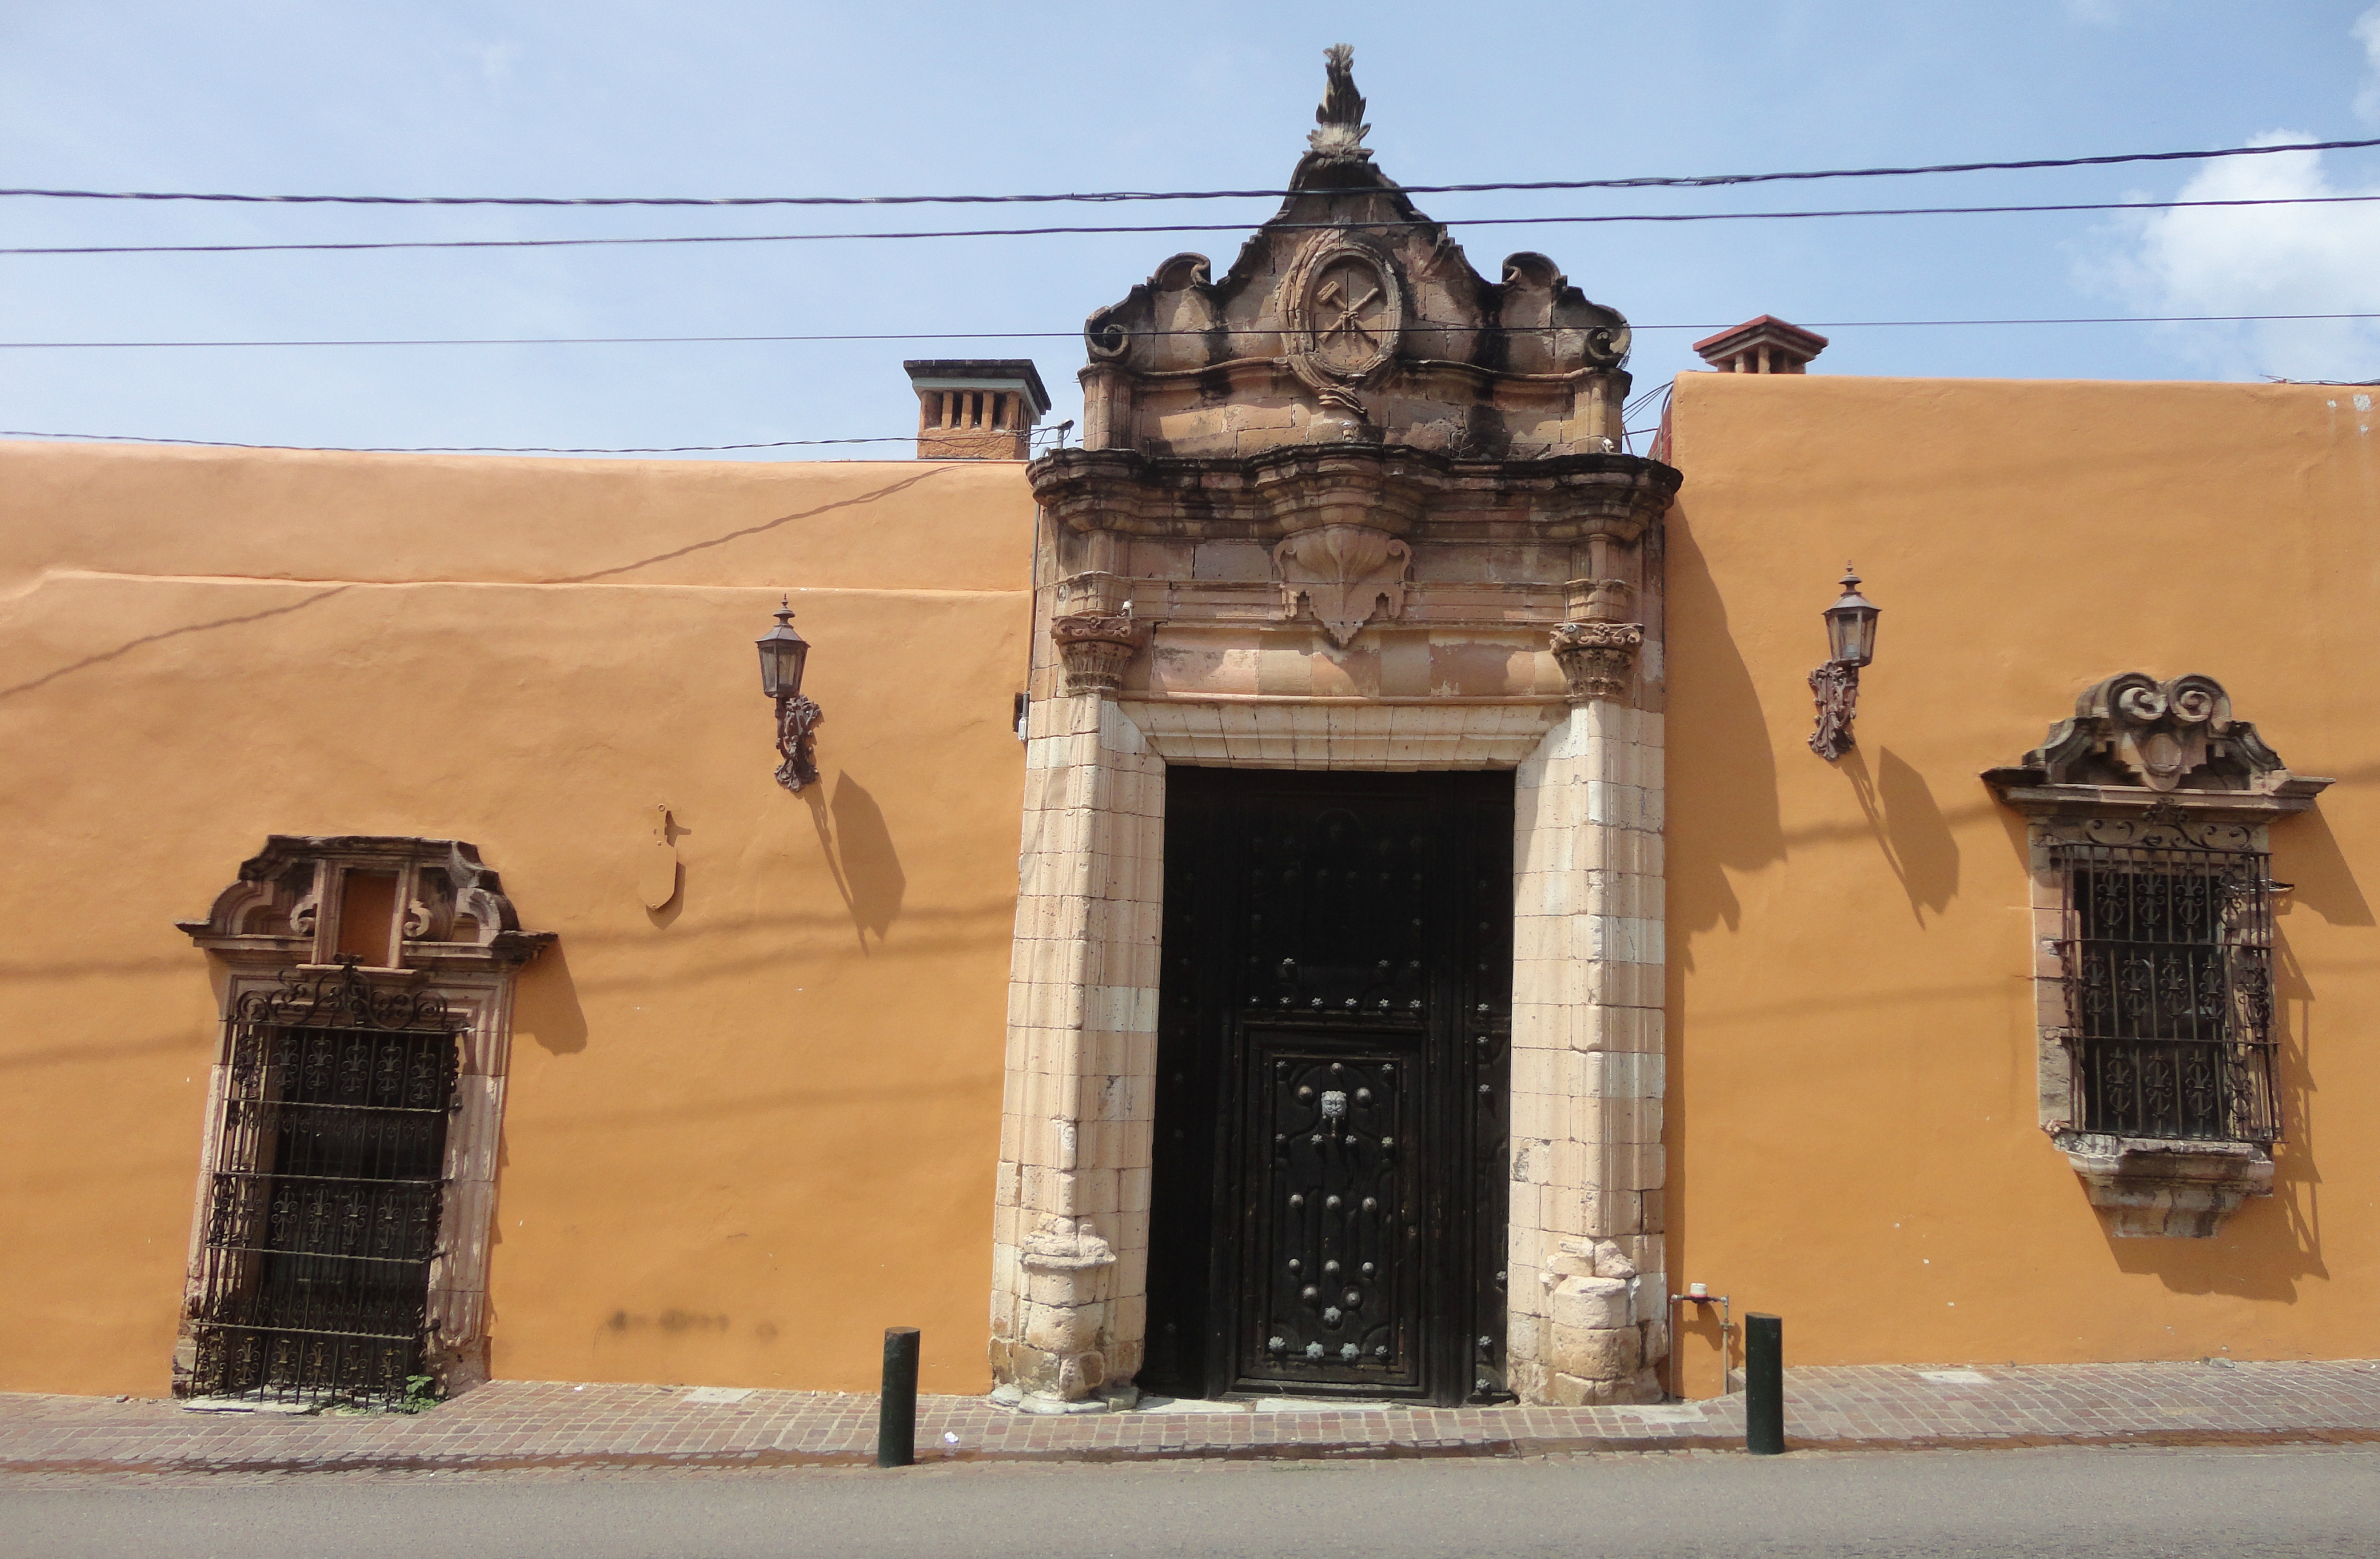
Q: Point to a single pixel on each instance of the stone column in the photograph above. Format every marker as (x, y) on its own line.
(1587, 1286)
(1071, 1242)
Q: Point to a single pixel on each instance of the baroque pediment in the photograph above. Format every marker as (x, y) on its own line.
(2133, 735)
(1350, 316)
(450, 909)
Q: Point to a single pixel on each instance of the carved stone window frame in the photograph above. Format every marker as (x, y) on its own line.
(2143, 765)
(453, 935)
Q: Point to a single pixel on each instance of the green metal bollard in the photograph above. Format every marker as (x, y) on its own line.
(896, 1409)
(1763, 1385)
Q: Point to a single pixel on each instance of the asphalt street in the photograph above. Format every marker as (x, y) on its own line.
(2106, 1504)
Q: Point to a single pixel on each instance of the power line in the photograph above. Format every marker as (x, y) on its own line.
(1176, 227)
(1076, 334)
(453, 448)
(1696, 181)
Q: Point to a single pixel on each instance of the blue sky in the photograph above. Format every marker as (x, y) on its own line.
(603, 97)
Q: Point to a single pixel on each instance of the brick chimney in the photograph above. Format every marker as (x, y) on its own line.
(1766, 345)
(977, 408)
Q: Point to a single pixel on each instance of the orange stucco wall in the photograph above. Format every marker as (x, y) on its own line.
(745, 1133)
(1852, 1088)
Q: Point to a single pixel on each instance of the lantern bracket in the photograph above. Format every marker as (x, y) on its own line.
(797, 717)
(1850, 644)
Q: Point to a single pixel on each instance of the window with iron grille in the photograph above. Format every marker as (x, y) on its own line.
(340, 1239)
(2152, 901)
(2167, 968)
(327, 1182)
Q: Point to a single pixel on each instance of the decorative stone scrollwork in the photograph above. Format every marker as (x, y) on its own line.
(2133, 729)
(451, 909)
(1094, 648)
(1597, 659)
(2133, 739)
(1347, 574)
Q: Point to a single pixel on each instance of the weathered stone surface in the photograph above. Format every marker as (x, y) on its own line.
(2153, 1189)
(1599, 1354)
(1585, 1304)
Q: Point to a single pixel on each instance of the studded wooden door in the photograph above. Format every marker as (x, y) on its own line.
(1333, 1049)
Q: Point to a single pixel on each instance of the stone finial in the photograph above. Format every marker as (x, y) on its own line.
(1766, 345)
(1342, 113)
(977, 408)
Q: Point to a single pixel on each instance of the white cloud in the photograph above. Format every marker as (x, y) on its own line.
(2257, 260)
(2367, 32)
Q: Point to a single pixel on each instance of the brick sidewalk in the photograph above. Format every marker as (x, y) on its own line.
(522, 1424)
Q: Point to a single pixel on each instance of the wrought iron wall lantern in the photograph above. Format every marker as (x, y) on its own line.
(1850, 644)
(782, 654)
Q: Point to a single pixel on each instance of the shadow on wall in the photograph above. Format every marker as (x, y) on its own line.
(2307, 855)
(545, 1003)
(858, 850)
(1720, 768)
(1909, 826)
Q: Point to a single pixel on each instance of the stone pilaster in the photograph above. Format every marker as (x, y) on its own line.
(1070, 1258)
(1588, 1284)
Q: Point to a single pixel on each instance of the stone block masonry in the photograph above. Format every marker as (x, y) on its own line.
(1071, 1237)
(1587, 1285)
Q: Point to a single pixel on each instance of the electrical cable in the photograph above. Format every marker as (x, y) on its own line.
(1077, 334)
(1698, 181)
(453, 448)
(1174, 228)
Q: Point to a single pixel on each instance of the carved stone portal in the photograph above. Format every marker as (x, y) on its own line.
(1332, 501)
(1346, 573)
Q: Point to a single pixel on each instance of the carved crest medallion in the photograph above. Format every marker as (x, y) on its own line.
(1344, 309)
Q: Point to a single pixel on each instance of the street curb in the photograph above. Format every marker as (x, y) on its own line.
(733, 1461)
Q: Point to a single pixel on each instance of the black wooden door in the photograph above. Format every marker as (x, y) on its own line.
(1329, 1203)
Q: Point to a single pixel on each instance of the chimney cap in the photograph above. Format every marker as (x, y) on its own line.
(981, 373)
(1784, 339)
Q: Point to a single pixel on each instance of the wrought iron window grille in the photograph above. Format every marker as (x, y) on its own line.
(326, 1191)
(2165, 970)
